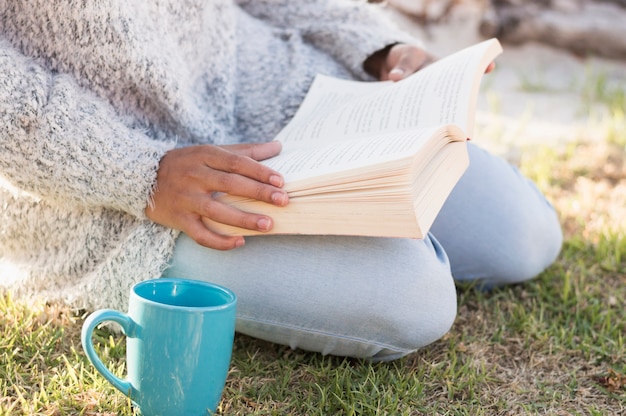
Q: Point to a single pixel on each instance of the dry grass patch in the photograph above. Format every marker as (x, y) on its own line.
(587, 184)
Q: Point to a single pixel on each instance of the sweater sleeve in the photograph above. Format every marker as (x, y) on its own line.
(348, 30)
(62, 143)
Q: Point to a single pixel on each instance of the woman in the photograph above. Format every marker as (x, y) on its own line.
(120, 119)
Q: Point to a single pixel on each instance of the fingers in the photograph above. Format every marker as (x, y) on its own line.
(257, 152)
(237, 162)
(403, 60)
(240, 185)
(407, 64)
(217, 169)
(223, 213)
(207, 238)
(235, 173)
(213, 211)
(189, 178)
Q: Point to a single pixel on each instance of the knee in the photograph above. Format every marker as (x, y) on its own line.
(414, 316)
(526, 251)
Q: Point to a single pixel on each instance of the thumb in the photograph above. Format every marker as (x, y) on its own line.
(397, 73)
(404, 66)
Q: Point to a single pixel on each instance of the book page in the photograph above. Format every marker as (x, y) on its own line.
(442, 93)
(299, 163)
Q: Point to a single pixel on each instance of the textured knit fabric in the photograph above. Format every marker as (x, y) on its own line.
(93, 93)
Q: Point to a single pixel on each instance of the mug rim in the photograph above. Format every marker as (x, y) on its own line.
(231, 301)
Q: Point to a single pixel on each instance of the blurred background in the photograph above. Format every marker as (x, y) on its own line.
(561, 78)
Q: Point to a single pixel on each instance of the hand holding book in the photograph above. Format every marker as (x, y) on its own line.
(188, 176)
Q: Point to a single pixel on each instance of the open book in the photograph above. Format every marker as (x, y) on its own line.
(375, 158)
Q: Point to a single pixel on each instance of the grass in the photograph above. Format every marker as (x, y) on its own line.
(556, 345)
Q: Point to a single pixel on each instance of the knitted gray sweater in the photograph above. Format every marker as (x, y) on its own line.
(93, 93)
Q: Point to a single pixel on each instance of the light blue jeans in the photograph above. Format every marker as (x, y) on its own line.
(382, 298)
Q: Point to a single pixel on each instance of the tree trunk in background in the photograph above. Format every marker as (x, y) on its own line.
(596, 27)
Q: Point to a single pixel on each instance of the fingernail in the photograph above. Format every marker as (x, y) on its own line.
(263, 224)
(279, 198)
(397, 71)
(240, 242)
(276, 180)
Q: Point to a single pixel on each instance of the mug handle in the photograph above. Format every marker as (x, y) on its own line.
(89, 325)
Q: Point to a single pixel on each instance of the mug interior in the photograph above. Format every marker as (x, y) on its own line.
(184, 293)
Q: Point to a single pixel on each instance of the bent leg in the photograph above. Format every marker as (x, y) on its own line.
(352, 296)
(496, 226)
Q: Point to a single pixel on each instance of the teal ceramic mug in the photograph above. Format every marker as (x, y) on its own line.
(179, 339)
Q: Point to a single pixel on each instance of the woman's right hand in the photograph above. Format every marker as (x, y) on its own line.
(188, 178)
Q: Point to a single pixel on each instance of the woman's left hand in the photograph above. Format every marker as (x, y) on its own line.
(401, 60)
